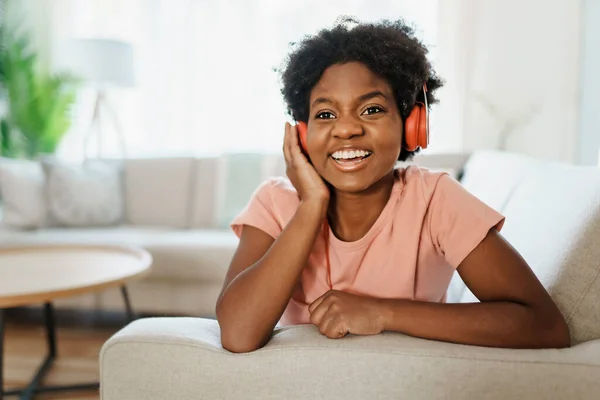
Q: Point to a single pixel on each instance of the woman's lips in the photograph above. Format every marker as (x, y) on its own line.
(350, 165)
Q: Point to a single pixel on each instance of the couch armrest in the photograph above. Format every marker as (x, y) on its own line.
(182, 358)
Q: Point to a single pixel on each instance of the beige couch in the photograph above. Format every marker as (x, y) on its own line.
(553, 219)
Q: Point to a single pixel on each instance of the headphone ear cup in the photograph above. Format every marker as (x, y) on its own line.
(416, 128)
(424, 128)
(411, 129)
(302, 131)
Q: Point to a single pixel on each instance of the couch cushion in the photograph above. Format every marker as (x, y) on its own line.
(158, 191)
(492, 175)
(22, 185)
(204, 197)
(178, 255)
(83, 194)
(553, 220)
(451, 163)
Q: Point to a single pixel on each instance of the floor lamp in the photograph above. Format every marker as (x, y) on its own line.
(104, 64)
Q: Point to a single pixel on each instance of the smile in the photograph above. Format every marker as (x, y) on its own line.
(350, 160)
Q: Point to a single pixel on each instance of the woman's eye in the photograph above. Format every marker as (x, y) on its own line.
(325, 115)
(373, 110)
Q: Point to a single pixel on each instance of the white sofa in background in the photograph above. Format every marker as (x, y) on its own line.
(553, 219)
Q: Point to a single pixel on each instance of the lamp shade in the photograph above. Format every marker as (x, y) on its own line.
(102, 62)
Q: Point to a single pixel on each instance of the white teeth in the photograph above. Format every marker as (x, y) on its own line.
(349, 154)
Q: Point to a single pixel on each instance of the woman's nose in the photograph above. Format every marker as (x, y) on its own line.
(346, 129)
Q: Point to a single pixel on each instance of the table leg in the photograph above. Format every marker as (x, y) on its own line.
(50, 329)
(128, 308)
(33, 387)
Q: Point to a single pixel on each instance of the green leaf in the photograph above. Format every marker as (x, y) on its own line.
(5, 140)
(39, 104)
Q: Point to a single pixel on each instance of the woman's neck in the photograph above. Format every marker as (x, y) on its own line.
(351, 215)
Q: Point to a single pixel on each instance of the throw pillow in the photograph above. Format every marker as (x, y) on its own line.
(22, 194)
(87, 194)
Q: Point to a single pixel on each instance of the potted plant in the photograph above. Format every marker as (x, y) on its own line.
(37, 103)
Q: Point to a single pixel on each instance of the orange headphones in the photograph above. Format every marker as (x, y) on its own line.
(416, 126)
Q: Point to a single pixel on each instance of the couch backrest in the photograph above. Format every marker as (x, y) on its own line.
(158, 191)
(188, 192)
(553, 219)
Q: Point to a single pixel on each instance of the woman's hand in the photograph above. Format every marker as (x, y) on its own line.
(302, 174)
(338, 313)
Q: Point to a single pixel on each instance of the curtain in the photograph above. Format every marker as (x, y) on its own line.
(204, 68)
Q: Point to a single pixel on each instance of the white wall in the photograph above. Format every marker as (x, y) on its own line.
(512, 72)
(589, 143)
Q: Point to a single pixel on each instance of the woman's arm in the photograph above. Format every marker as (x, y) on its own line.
(515, 310)
(264, 272)
(262, 276)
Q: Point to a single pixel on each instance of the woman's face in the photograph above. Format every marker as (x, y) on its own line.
(354, 127)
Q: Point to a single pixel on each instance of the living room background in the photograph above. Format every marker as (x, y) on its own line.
(205, 84)
(204, 69)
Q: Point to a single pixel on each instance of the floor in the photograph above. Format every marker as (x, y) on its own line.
(80, 337)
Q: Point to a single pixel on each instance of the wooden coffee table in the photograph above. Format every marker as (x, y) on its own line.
(40, 274)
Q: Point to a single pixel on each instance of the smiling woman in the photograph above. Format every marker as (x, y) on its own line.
(352, 244)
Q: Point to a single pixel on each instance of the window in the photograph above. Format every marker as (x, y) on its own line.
(204, 68)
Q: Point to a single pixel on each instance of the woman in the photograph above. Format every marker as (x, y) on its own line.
(352, 244)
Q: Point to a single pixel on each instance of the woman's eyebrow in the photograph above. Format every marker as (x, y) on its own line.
(320, 100)
(370, 95)
(366, 96)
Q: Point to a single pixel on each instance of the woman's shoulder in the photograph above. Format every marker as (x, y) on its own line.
(278, 185)
(270, 207)
(278, 191)
(424, 181)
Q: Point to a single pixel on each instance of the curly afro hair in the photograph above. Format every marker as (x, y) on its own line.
(388, 48)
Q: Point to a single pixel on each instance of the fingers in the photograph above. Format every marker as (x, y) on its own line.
(292, 142)
(333, 327)
(321, 307)
(318, 301)
(286, 144)
(317, 315)
(325, 315)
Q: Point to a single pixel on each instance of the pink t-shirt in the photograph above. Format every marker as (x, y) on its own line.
(428, 226)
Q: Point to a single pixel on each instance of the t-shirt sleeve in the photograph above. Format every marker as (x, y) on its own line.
(259, 212)
(458, 220)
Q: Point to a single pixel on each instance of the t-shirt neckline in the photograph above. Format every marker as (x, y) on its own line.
(381, 221)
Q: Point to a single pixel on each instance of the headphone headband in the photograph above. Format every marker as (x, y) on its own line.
(426, 110)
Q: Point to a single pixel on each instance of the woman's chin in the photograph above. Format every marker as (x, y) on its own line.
(357, 182)
(351, 183)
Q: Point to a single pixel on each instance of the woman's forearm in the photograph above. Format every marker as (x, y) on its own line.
(254, 301)
(494, 324)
